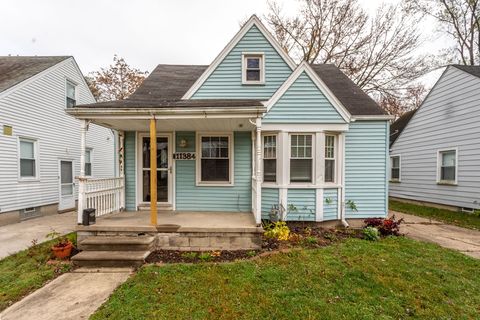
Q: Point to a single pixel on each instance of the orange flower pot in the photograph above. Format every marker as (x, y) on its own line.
(62, 252)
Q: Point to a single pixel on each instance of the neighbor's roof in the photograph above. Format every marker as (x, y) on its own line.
(397, 127)
(167, 84)
(14, 70)
(473, 70)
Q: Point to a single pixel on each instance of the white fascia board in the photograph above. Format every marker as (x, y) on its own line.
(305, 67)
(75, 64)
(373, 117)
(253, 21)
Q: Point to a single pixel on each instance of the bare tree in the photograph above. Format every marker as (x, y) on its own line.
(460, 19)
(116, 82)
(378, 53)
(410, 99)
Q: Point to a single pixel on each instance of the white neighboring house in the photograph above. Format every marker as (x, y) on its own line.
(435, 150)
(39, 142)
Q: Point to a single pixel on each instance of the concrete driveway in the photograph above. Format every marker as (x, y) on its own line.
(18, 236)
(464, 240)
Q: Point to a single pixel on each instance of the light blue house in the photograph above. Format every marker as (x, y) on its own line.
(250, 132)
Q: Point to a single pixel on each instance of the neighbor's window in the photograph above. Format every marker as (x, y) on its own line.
(215, 159)
(88, 162)
(329, 158)
(301, 158)
(270, 158)
(448, 163)
(71, 102)
(253, 72)
(28, 161)
(395, 168)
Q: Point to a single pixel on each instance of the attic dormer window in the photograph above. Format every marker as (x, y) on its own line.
(253, 68)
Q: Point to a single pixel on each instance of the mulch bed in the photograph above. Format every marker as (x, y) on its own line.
(301, 236)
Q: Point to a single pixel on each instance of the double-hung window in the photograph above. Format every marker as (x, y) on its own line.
(71, 97)
(447, 166)
(301, 159)
(395, 168)
(330, 158)
(215, 159)
(270, 158)
(28, 158)
(253, 68)
(88, 162)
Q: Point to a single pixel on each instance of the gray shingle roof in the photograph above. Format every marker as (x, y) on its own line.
(473, 70)
(14, 70)
(166, 85)
(397, 127)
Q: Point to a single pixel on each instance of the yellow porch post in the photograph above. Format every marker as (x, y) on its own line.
(153, 172)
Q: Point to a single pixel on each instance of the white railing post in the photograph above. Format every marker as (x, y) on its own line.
(258, 169)
(81, 178)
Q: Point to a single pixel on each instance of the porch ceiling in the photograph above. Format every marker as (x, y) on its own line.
(235, 124)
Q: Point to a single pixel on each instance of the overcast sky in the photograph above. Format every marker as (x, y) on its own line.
(144, 32)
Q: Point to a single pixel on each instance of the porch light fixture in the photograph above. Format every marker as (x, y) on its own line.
(183, 143)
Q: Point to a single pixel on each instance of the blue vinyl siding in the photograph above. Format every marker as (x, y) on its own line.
(226, 80)
(330, 210)
(269, 198)
(232, 199)
(303, 102)
(130, 199)
(304, 200)
(189, 136)
(366, 168)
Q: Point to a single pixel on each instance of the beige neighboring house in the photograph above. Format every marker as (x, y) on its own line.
(40, 142)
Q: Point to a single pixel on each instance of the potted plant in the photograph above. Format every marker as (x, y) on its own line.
(62, 247)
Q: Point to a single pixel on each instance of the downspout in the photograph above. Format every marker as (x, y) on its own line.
(342, 209)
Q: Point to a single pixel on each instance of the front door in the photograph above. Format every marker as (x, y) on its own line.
(67, 185)
(163, 169)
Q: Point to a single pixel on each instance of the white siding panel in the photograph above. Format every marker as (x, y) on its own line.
(447, 119)
(36, 110)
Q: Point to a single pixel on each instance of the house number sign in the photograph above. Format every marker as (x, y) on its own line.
(184, 156)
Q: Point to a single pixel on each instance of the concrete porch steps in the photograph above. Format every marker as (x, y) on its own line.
(114, 251)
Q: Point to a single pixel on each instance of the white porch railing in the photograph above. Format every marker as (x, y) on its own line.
(105, 195)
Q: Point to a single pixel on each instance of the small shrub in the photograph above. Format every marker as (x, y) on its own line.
(251, 253)
(387, 227)
(205, 256)
(278, 230)
(371, 234)
(310, 240)
(189, 255)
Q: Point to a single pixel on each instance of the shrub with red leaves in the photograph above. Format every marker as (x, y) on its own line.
(387, 227)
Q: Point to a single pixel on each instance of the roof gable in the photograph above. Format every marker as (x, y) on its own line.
(223, 77)
(16, 69)
(304, 98)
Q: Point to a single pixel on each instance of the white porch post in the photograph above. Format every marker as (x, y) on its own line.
(258, 167)
(81, 178)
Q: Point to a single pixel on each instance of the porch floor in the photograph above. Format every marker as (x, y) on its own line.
(188, 221)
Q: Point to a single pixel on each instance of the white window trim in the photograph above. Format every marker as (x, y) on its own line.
(36, 152)
(336, 173)
(91, 161)
(313, 158)
(399, 168)
(278, 171)
(198, 161)
(246, 55)
(439, 167)
(75, 84)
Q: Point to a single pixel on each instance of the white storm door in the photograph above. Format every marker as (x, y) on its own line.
(67, 185)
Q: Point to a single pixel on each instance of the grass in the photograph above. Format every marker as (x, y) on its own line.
(395, 278)
(461, 219)
(26, 271)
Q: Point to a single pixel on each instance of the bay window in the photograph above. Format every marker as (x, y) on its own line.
(329, 158)
(270, 158)
(301, 158)
(215, 159)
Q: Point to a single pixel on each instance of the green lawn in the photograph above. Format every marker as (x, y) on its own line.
(395, 278)
(461, 219)
(26, 271)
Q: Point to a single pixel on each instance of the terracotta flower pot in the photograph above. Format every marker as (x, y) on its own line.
(61, 252)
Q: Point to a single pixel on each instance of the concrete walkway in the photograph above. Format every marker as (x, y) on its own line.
(18, 236)
(464, 240)
(71, 296)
